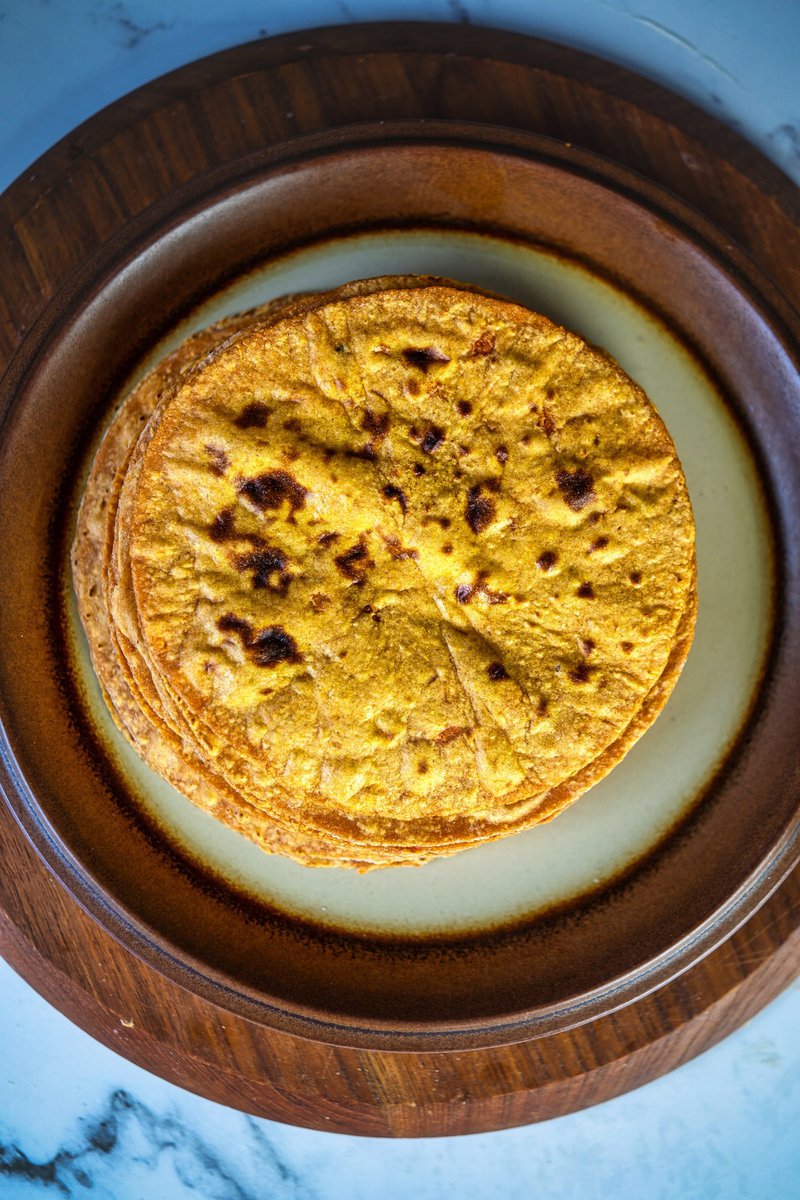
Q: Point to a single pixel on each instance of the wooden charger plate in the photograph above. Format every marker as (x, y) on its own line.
(112, 239)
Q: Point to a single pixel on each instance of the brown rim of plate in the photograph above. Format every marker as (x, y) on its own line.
(621, 944)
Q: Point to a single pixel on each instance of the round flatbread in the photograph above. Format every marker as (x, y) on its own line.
(408, 568)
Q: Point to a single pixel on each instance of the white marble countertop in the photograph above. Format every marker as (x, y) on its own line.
(77, 1119)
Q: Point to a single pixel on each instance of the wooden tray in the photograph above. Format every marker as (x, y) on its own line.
(139, 158)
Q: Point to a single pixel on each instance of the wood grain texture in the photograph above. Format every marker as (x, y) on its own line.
(75, 203)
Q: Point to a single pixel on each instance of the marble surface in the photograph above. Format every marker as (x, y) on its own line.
(77, 1119)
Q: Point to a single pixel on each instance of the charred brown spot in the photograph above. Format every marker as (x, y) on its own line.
(587, 646)
(626, 647)
(320, 601)
(368, 453)
(547, 560)
(223, 526)
(412, 386)
(433, 438)
(581, 673)
(424, 357)
(576, 488)
(447, 548)
(223, 529)
(636, 577)
(271, 646)
(272, 489)
(377, 618)
(325, 539)
(465, 592)
(268, 567)
(482, 345)
(599, 543)
(418, 469)
(482, 589)
(496, 671)
(397, 550)
(542, 706)
(501, 454)
(443, 522)
(585, 591)
(480, 510)
(266, 648)
(547, 423)
(218, 459)
(355, 562)
(253, 416)
(231, 624)
(375, 424)
(391, 492)
(450, 734)
(292, 425)
(422, 768)
(594, 518)
(464, 407)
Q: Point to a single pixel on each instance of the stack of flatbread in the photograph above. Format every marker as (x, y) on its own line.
(384, 573)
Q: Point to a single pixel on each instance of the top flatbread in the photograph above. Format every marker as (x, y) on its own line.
(405, 563)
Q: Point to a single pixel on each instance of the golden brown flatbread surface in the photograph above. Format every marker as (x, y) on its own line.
(390, 571)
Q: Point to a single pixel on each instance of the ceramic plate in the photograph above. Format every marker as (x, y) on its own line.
(645, 873)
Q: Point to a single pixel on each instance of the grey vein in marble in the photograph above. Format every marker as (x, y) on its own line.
(684, 42)
(127, 1138)
(132, 30)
